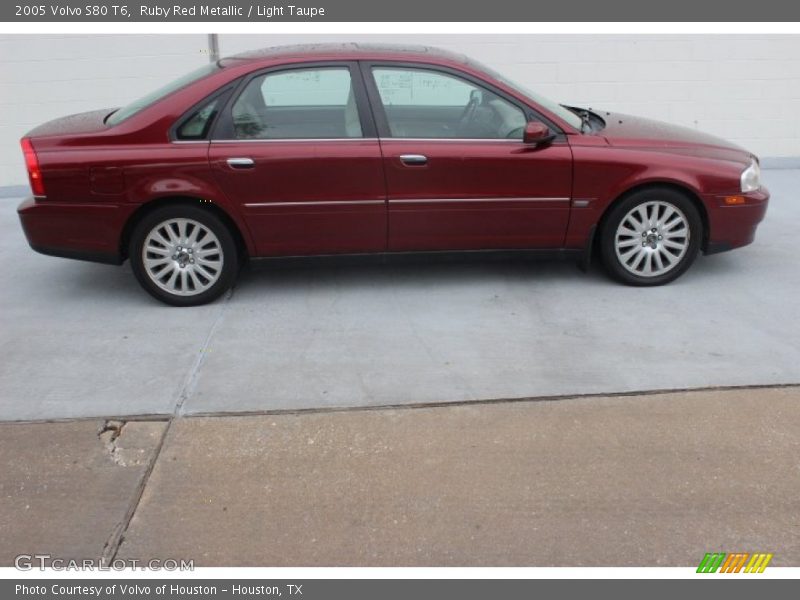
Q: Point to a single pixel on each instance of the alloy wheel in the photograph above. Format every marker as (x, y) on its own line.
(652, 238)
(182, 256)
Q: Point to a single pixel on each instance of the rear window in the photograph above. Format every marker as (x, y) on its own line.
(139, 105)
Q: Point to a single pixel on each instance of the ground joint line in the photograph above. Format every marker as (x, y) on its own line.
(117, 537)
(190, 383)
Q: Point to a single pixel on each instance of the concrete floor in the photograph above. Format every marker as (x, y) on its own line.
(651, 480)
(81, 339)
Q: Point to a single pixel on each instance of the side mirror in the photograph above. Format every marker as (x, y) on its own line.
(537, 133)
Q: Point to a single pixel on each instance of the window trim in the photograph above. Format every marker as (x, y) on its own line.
(379, 112)
(223, 130)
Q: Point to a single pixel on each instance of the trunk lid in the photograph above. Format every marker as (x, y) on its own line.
(77, 124)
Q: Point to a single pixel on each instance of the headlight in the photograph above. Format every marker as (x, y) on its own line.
(751, 177)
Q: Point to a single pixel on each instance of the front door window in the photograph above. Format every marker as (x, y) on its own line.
(422, 103)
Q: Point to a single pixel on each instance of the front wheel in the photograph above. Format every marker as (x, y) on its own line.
(651, 238)
(183, 255)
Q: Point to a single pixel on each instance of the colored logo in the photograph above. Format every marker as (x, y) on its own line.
(735, 562)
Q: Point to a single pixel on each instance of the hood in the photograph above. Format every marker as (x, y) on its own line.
(638, 132)
(81, 123)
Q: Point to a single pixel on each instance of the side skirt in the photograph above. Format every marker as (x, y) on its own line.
(423, 257)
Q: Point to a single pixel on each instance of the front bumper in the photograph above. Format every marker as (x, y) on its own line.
(733, 226)
(90, 231)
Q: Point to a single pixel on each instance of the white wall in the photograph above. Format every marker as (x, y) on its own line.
(47, 76)
(745, 88)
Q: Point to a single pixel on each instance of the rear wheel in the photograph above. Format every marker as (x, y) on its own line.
(651, 238)
(183, 255)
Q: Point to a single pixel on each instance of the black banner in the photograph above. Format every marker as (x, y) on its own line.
(731, 588)
(407, 10)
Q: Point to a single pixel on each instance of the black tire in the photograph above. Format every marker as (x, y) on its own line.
(615, 260)
(223, 273)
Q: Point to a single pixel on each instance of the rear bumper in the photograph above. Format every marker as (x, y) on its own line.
(81, 231)
(734, 226)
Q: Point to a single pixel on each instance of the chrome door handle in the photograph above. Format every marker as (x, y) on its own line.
(413, 159)
(241, 163)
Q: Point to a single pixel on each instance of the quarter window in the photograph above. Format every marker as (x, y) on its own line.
(299, 103)
(196, 126)
(421, 103)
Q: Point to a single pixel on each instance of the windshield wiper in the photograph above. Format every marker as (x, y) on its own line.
(585, 116)
(586, 120)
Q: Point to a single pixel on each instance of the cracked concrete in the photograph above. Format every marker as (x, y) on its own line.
(131, 443)
(61, 491)
(108, 434)
(81, 340)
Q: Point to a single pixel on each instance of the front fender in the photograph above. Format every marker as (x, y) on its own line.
(605, 174)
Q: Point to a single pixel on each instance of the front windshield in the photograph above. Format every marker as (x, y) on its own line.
(554, 107)
(138, 105)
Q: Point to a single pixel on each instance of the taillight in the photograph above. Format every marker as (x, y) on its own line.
(32, 164)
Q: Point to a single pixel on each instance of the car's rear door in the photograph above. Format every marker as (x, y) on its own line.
(458, 175)
(296, 147)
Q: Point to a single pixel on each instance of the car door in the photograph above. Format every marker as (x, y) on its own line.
(296, 148)
(458, 174)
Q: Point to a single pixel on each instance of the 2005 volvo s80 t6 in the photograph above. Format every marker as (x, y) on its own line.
(352, 149)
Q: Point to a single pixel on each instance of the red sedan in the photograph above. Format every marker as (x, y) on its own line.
(352, 149)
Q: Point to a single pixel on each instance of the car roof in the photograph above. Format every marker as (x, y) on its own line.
(351, 51)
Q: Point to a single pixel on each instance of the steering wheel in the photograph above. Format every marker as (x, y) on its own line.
(516, 133)
(469, 111)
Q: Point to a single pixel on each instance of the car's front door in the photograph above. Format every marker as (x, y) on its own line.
(297, 148)
(458, 175)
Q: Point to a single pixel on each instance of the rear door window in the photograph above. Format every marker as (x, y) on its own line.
(314, 103)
